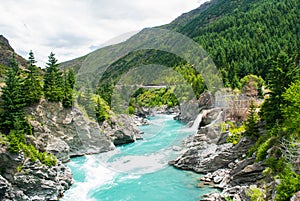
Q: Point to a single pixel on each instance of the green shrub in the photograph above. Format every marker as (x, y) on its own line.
(19, 168)
(276, 164)
(43, 157)
(289, 184)
(15, 141)
(236, 134)
(130, 110)
(256, 194)
(263, 148)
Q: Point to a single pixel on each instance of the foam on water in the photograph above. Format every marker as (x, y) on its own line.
(138, 171)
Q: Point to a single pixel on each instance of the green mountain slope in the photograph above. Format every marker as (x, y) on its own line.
(241, 36)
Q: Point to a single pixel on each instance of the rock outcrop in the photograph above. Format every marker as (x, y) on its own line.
(121, 129)
(225, 165)
(65, 132)
(296, 197)
(189, 111)
(68, 132)
(25, 180)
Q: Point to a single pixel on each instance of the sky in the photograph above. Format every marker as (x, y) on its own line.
(73, 28)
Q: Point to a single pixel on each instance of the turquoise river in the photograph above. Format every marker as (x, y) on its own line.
(138, 171)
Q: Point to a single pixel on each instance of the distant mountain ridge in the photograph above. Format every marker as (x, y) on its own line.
(241, 36)
(6, 52)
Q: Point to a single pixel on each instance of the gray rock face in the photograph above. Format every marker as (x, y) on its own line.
(210, 116)
(25, 180)
(188, 111)
(205, 152)
(204, 157)
(4, 187)
(248, 175)
(206, 100)
(65, 132)
(121, 129)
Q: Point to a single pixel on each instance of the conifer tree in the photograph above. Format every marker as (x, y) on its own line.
(53, 81)
(32, 88)
(69, 82)
(12, 100)
(283, 72)
(251, 123)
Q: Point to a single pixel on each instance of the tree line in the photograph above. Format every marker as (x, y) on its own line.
(26, 87)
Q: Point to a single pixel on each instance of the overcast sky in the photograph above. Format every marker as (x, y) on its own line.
(73, 28)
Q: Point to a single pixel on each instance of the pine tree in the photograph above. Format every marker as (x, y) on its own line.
(251, 123)
(101, 110)
(283, 72)
(69, 82)
(53, 81)
(291, 112)
(32, 88)
(12, 100)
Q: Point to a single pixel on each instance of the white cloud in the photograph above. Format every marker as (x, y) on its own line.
(70, 28)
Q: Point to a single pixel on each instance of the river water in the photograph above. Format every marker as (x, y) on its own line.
(138, 171)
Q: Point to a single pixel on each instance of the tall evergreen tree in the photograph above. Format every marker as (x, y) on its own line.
(53, 81)
(283, 72)
(32, 88)
(12, 100)
(69, 82)
(251, 123)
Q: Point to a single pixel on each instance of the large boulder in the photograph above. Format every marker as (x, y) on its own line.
(204, 152)
(121, 129)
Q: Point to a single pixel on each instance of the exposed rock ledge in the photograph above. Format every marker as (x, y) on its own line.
(224, 164)
(68, 132)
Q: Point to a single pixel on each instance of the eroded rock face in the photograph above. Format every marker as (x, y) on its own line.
(121, 129)
(25, 180)
(66, 132)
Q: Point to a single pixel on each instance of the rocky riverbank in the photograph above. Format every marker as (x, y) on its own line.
(22, 179)
(225, 165)
(65, 133)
